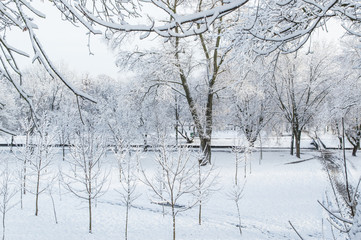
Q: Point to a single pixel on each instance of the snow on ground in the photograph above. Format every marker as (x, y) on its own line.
(275, 193)
(234, 138)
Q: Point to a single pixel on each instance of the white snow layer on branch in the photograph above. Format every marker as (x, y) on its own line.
(21, 14)
(204, 18)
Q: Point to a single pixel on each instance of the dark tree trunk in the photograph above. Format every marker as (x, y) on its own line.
(340, 141)
(176, 120)
(90, 213)
(145, 147)
(12, 144)
(63, 148)
(292, 143)
(354, 150)
(206, 150)
(261, 149)
(37, 194)
(298, 143)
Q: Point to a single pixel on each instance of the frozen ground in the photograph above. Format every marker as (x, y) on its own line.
(275, 193)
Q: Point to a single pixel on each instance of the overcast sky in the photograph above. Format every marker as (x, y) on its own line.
(67, 44)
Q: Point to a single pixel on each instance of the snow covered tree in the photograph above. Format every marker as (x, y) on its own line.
(86, 179)
(176, 182)
(251, 105)
(129, 183)
(289, 25)
(22, 16)
(270, 22)
(8, 190)
(42, 158)
(193, 69)
(299, 89)
(118, 17)
(343, 102)
(252, 102)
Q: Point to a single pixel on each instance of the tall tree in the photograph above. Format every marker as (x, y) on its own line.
(192, 69)
(299, 89)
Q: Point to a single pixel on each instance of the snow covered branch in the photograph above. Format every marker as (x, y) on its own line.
(20, 14)
(113, 16)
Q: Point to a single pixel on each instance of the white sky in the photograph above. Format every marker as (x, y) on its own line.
(67, 44)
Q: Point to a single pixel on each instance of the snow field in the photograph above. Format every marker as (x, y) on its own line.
(275, 193)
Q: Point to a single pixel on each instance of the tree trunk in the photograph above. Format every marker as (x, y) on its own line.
(354, 150)
(173, 217)
(298, 143)
(236, 173)
(63, 148)
(126, 220)
(90, 214)
(37, 194)
(200, 213)
(27, 148)
(261, 150)
(239, 218)
(24, 177)
(54, 209)
(206, 150)
(176, 120)
(200, 195)
(145, 147)
(245, 163)
(4, 223)
(249, 153)
(340, 141)
(292, 142)
(12, 144)
(21, 195)
(345, 167)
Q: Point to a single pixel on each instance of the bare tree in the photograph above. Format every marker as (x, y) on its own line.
(300, 90)
(129, 183)
(192, 69)
(274, 25)
(177, 180)
(25, 154)
(207, 183)
(353, 136)
(86, 180)
(42, 159)
(252, 104)
(236, 194)
(8, 189)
